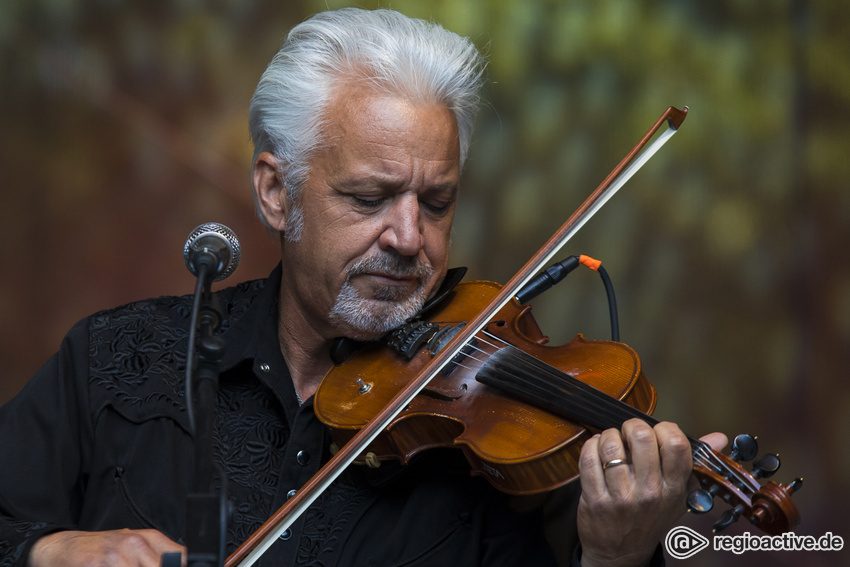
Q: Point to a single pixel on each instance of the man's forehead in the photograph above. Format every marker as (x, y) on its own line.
(366, 123)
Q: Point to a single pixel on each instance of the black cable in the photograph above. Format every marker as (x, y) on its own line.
(612, 304)
(558, 272)
(190, 349)
(202, 286)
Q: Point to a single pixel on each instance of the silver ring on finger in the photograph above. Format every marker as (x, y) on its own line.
(614, 463)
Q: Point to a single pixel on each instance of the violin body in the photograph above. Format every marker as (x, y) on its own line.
(517, 447)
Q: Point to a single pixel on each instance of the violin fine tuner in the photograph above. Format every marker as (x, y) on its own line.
(769, 507)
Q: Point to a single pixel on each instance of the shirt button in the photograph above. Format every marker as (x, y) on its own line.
(265, 367)
(290, 494)
(286, 535)
(303, 457)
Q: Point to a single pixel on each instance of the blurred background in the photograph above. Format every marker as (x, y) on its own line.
(123, 126)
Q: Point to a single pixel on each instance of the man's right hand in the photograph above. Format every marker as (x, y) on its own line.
(119, 548)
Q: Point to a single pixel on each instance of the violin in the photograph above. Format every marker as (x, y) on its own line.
(475, 372)
(520, 410)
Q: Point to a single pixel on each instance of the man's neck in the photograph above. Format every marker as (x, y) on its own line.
(308, 361)
(305, 349)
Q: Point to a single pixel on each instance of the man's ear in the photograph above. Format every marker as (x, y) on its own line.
(272, 200)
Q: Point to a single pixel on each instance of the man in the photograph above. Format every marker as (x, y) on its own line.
(361, 125)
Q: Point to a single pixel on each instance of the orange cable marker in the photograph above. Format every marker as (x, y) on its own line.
(590, 262)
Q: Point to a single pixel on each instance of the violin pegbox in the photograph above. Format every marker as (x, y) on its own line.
(768, 507)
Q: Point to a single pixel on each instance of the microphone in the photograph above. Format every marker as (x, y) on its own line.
(212, 246)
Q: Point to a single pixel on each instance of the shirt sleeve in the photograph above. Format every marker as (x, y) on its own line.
(43, 433)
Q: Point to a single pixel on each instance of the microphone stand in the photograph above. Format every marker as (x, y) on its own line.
(207, 508)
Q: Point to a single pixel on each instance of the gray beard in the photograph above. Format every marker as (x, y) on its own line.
(370, 318)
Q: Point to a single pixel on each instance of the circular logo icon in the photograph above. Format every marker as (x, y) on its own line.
(683, 542)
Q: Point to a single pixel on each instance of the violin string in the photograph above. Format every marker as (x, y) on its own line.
(495, 341)
(470, 348)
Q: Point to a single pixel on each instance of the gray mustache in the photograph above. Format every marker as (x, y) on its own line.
(399, 266)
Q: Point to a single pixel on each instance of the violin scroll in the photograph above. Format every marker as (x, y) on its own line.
(768, 507)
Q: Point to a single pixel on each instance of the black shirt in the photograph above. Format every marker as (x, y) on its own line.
(98, 440)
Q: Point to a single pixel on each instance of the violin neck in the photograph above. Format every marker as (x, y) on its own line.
(515, 372)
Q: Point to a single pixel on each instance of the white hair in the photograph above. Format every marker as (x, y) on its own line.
(393, 53)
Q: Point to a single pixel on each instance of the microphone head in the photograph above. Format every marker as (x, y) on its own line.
(217, 239)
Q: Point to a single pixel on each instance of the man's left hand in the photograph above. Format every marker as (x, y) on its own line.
(627, 507)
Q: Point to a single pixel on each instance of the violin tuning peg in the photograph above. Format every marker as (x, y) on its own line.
(766, 465)
(794, 485)
(728, 518)
(700, 501)
(744, 448)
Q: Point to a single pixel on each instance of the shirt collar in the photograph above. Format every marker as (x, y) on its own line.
(251, 332)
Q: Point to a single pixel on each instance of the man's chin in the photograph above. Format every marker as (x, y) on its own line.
(388, 294)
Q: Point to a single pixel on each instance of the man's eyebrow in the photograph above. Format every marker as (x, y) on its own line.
(448, 187)
(371, 180)
(388, 182)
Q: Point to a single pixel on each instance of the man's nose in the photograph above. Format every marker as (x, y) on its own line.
(402, 231)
